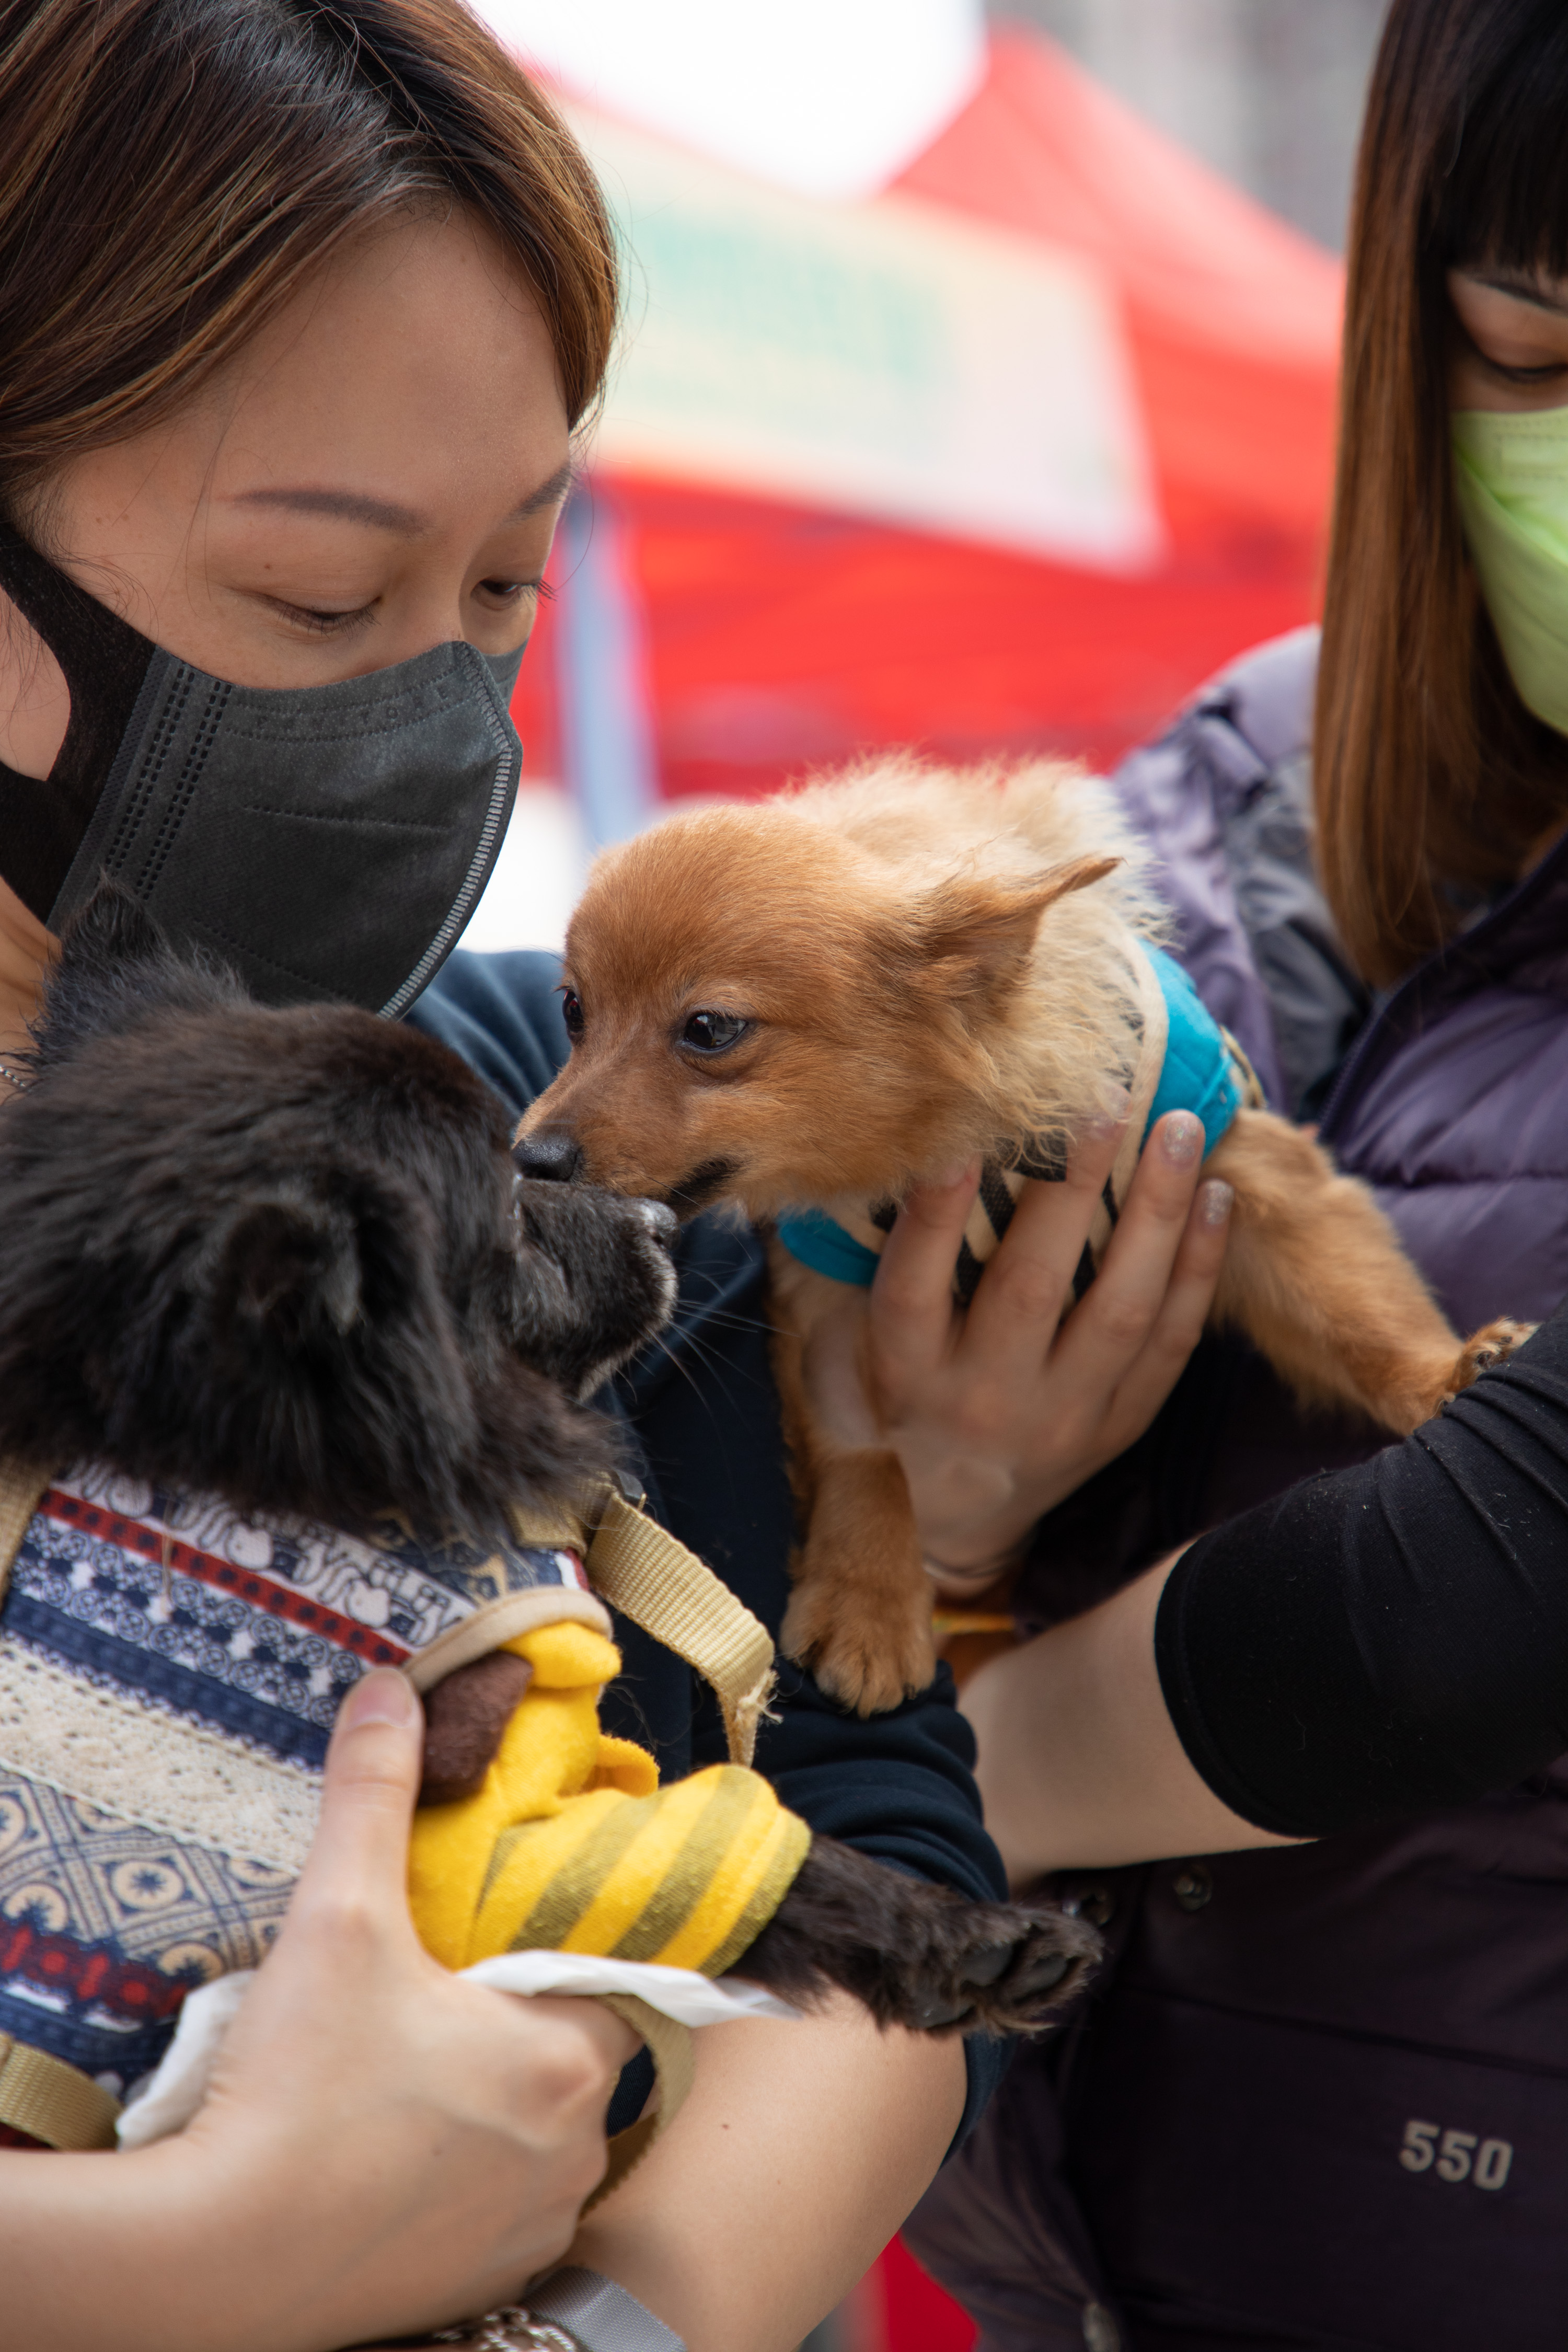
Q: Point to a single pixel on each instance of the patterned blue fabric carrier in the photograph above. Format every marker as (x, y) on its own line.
(169, 1676)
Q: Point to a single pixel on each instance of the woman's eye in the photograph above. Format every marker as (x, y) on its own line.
(710, 1032)
(508, 592)
(1543, 372)
(325, 625)
(572, 1013)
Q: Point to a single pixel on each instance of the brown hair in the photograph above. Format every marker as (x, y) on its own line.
(174, 169)
(1431, 775)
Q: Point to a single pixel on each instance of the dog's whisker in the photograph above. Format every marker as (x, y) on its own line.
(677, 1363)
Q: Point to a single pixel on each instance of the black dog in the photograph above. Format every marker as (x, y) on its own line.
(284, 1257)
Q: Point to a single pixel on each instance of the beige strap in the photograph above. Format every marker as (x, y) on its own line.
(644, 1572)
(546, 1530)
(670, 2046)
(1252, 1095)
(502, 1621)
(21, 1492)
(53, 2102)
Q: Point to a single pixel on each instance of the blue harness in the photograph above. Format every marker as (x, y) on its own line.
(1204, 1072)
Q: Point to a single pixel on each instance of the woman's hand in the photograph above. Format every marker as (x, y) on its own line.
(386, 2147)
(998, 1413)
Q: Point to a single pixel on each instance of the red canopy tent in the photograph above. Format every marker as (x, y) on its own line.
(779, 636)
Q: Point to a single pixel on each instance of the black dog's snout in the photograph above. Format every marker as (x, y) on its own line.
(662, 1223)
(551, 1154)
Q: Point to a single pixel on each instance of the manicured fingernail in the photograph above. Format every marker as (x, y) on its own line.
(1214, 1201)
(1110, 1118)
(1181, 1139)
(384, 1695)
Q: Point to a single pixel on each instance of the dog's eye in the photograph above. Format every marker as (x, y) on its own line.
(572, 1013)
(710, 1032)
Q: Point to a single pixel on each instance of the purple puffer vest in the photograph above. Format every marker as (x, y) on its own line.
(1319, 2097)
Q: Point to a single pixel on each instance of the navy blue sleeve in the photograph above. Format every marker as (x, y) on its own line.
(502, 1014)
(702, 1408)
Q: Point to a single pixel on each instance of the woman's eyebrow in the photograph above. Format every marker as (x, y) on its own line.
(382, 514)
(346, 506)
(559, 483)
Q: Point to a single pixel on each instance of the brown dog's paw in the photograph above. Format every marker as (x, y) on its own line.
(1494, 1343)
(866, 1660)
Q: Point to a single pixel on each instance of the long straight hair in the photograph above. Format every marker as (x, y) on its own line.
(1431, 776)
(174, 169)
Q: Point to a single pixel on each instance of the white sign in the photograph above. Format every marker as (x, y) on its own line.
(889, 357)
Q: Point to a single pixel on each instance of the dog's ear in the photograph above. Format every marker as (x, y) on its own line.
(115, 966)
(290, 1266)
(318, 1340)
(975, 934)
(110, 929)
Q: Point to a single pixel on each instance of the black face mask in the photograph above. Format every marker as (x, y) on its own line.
(327, 841)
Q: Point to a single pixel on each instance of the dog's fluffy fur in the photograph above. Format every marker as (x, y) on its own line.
(928, 966)
(285, 1256)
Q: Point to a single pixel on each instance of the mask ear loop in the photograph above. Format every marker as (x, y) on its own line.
(105, 662)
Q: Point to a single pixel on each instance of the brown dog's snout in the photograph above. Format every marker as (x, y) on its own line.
(551, 1155)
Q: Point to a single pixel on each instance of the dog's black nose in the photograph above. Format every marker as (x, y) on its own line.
(551, 1154)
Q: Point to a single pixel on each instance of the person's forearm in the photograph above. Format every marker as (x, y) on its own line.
(798, 2153)
(1080, 1763)
(86, 2238)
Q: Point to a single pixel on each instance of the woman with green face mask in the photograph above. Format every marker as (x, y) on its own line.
(1307, 1773)
(1510, 387)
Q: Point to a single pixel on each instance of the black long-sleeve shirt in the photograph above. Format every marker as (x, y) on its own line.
(1391, 1638)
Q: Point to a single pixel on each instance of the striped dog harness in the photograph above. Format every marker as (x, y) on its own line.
(169, 1676)
(1185, 1061)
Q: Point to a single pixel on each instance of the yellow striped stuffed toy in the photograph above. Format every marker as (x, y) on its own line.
(562, 1838)
(570, 1844)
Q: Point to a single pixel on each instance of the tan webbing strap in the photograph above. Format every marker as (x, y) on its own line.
(21, 1492)
(496, 1622)
(670, 2046)
(550, 1529)
(644, 1572)
(53, 2102)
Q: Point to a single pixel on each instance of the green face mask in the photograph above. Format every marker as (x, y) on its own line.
(1511, 476)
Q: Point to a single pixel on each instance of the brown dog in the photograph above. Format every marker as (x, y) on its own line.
(814, 1003)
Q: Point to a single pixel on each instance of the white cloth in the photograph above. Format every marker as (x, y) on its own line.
(165, 2103)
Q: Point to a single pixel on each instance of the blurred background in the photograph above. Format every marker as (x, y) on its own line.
(976, 392)
(976, 389)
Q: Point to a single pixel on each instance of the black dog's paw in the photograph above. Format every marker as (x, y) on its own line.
(998, 1969)
(918, 1955)
(595, 1279)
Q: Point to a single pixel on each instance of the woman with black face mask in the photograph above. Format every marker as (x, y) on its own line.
(299, 309)
(224, 473)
